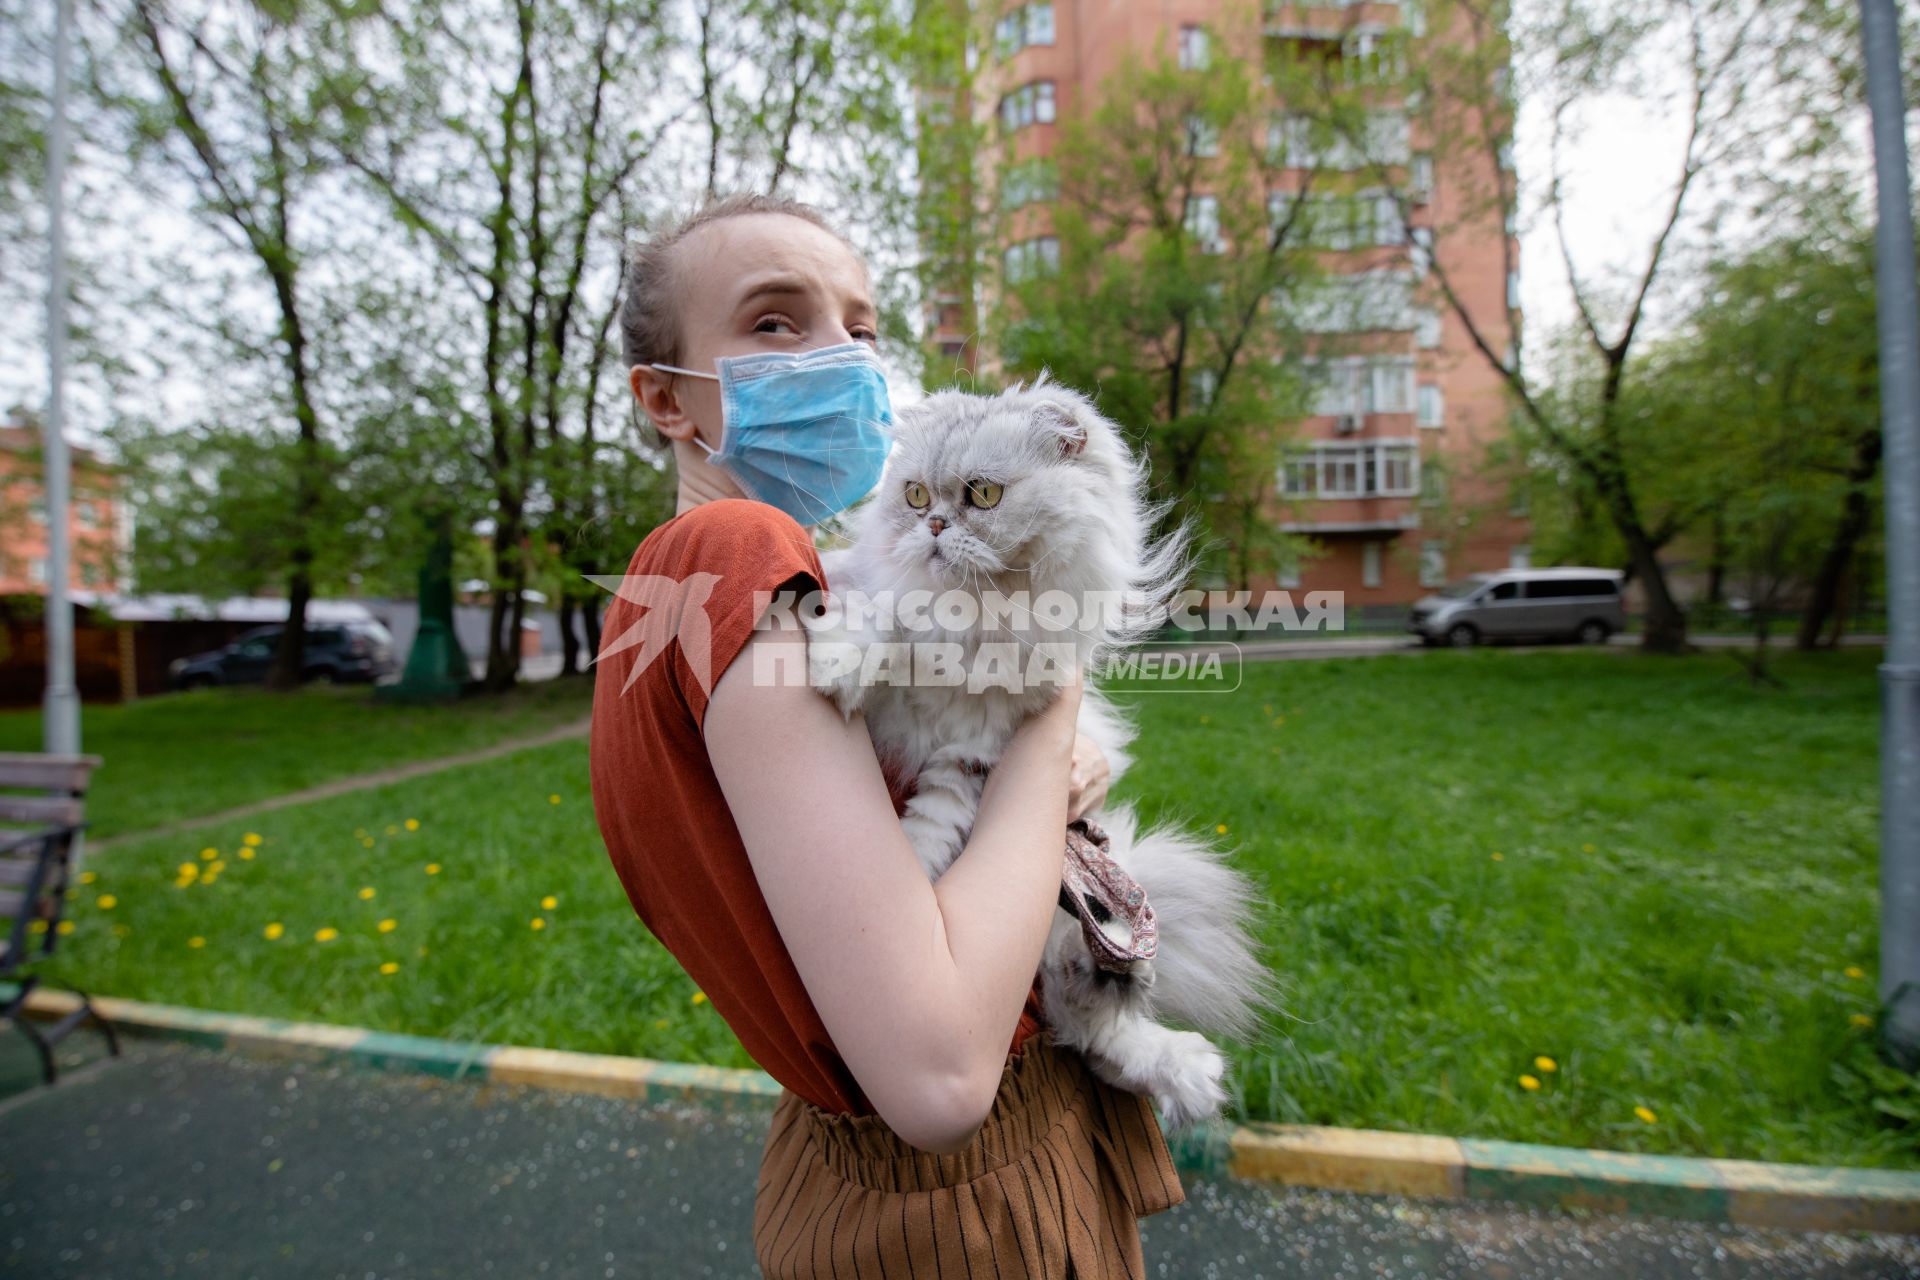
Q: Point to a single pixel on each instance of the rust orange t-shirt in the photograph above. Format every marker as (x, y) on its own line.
(693, 592)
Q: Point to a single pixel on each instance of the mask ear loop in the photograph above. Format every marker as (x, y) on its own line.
(691, 373)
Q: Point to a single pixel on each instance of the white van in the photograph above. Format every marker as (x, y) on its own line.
(1523, 604)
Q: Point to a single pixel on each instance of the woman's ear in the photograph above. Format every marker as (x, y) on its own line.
(660, 402)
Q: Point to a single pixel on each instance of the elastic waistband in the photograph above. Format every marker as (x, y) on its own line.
(1040, 1087)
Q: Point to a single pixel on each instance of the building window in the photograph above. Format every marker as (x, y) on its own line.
(1370, 564)
(90, 574)
(1427, 329)
(1521, 557)
(1433, 564)
(1357, 302)
(1420, 252)
(1029, 104)
(1354, 385)
(1029, 24)
(1202, 138)
(1203, 222)
(1420, 178)
(1506, 154)
(1433, 486)
(1029, 182)
(1026, 259)
(1513, 290)
(1206, 385)
(1300, 142)
(37, 570)
(1433, 406)
(1195, 50)
(1290, 577)
(1375, 469)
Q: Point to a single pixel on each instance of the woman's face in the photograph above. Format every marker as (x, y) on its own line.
(752, 283)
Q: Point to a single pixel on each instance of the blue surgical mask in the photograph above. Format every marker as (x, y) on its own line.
(808, 432)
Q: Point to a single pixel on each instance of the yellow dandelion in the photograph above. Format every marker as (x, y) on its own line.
(359, 833)
(327, 934)
(209, 878)
(1206, 719)
(1267, 709)
(433, 868)
(39, 926)
(421, 952)
(390, 968)
(1498, 857)
(366, 893)
(549, 902)
(1220, 828)
(1586, 848)
(209, 854)
(366, 842)
(119, 930)
(388, 926)
(88, 877)
(215, 867)
(196, 942)
(1855, 971)
(1861, 1020)
(246, 853)
(554, 799)
(699, 997)
(392, 830)
(66, 927)
(536, 924)
(251, 839)
(188, 870)
(273, 932)
(106, 902)
(413, 824)
(659, 1024)
(1646, 1114)
(1545, 1065)
(1530, 1083)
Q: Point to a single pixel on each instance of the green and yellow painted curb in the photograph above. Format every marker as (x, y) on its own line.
(1748, 1193)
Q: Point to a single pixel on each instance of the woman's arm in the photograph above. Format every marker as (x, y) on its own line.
(920, 985)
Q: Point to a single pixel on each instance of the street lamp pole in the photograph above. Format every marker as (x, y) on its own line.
(61, 707)
(1900, 418)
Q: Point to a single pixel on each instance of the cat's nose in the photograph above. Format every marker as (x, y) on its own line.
(936, 524)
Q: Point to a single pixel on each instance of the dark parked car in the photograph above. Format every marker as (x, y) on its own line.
(349, 651)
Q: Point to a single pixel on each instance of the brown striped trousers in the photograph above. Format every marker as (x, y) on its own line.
(1052, 1185)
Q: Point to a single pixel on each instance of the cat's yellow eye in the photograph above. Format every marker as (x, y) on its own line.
(917, 496)
(983, 493)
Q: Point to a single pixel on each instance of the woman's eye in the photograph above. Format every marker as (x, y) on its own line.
(865, 335)
(769, 324)
(917, 496)
(983, 493)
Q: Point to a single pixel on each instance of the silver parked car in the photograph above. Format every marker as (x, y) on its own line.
(1523, 604)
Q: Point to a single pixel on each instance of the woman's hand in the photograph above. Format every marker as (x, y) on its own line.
(1087, 778)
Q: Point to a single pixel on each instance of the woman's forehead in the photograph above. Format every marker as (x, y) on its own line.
(727, 261)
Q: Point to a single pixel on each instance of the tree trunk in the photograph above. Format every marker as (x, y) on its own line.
(1666, 622)
(1855, 519)
(569, 643)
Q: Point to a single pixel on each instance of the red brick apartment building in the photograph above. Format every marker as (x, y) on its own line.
(93, 517)
(1391, 478)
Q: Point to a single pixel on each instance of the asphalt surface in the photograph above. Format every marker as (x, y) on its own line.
(175, 1161)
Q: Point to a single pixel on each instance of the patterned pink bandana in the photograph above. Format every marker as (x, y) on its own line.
(1115, 916)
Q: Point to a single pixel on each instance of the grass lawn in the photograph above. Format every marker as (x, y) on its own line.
(188, 754)
(1643, 869)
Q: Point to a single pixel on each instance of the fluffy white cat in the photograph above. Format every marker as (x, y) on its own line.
(1005, 499)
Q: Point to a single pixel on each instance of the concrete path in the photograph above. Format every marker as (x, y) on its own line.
(357, 782)
(178, 1161)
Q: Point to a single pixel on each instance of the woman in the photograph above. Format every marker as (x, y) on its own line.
(758, 838)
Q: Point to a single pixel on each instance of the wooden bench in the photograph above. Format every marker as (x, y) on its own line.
(41, 806)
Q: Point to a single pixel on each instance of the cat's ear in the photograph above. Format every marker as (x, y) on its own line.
(1059, 421)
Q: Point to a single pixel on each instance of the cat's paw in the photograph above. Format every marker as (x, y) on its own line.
(1191, 1086)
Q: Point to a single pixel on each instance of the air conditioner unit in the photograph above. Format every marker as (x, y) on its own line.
(1347, 424)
